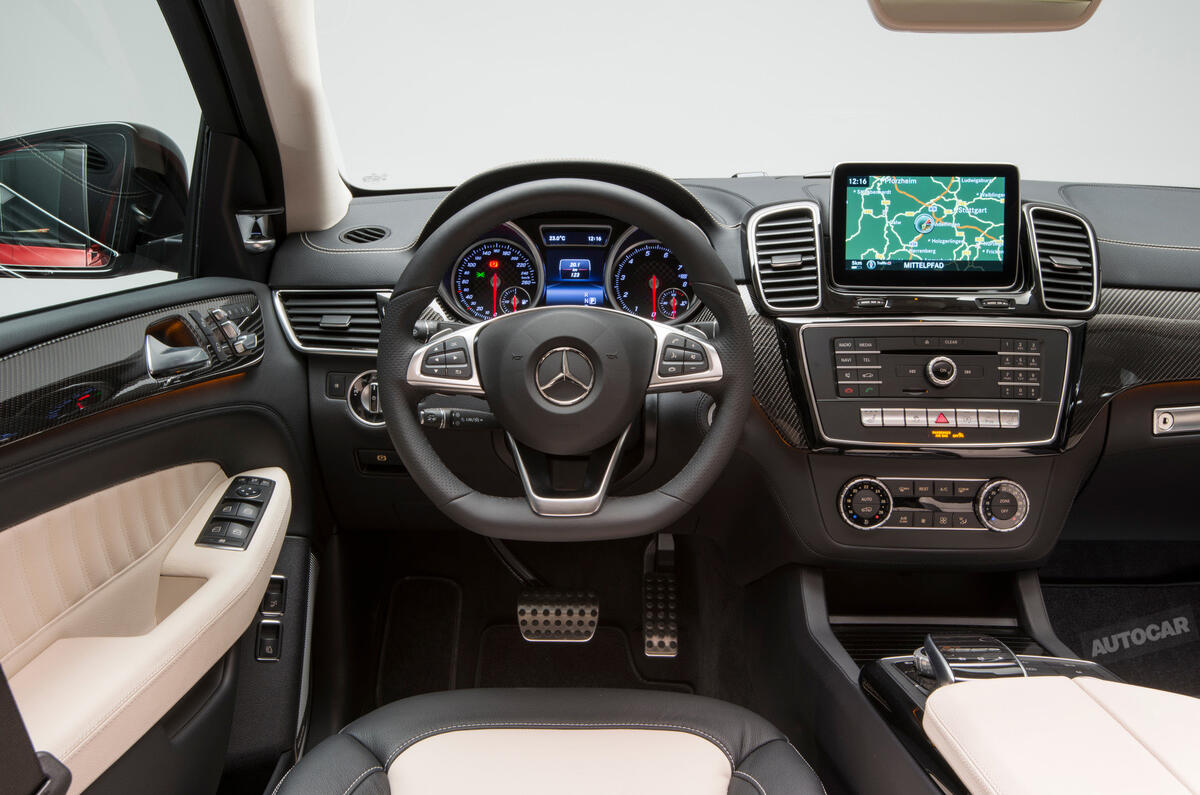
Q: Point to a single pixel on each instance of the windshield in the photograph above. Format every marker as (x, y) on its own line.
(428, 94)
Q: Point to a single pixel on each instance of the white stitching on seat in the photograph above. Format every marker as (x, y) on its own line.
(746, 776)
(807, 764)
(526, 725)
(357, 781)
(280, 784)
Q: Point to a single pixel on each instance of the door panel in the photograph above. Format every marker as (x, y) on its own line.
(109, 612)
(95, 678)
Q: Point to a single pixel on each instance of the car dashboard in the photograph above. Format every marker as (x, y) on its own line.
(948, 414)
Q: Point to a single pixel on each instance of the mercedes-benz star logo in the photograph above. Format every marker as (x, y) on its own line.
(564, 376)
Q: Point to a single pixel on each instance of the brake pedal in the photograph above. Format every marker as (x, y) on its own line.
(558, 616)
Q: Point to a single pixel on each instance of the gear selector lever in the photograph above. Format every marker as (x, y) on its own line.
(953, 658)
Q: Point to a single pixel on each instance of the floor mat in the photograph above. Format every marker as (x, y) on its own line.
(508, 660)
(420, 639)
(1146, 634)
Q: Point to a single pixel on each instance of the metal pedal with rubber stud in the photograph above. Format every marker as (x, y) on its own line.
(660, 622)
(558, 616)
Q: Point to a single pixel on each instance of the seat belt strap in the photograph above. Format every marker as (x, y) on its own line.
(22, 771)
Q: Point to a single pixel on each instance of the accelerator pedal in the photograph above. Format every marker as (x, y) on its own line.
(660, 619)
(547, 616)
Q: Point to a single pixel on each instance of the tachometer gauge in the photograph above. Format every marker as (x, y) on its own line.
(646, 279)
(495, 277)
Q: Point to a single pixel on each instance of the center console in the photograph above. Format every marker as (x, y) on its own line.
(960, 384)
(936, 381)
(900, 686)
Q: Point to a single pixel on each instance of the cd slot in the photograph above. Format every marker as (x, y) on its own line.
(856, 370)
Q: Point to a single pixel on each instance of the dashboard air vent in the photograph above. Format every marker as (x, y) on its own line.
(334, 321)
(1065, 252)
(785, 256)
(364, 234)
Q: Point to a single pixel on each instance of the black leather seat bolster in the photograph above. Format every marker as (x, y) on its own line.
(775, 767)
(761, 757)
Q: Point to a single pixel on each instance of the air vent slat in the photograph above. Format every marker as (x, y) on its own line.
(1066, 259)
(785, 256)
(335, 320)
(361, 235)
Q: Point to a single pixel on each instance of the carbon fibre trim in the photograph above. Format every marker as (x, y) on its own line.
(1137, 337)
(98, 368)
(772, 391)
(771, 387)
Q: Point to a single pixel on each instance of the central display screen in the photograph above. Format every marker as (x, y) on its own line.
(936, 226)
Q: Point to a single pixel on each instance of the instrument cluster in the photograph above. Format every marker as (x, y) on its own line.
(569, 262)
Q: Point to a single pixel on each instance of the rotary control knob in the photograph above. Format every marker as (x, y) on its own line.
(941, 371)
(1002, 505)
(362, 397)
(865, 503)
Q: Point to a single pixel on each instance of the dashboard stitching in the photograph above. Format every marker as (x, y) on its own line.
(1148, 245)
(304, 238)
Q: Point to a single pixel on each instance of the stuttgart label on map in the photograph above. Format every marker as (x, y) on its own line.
(925, 223)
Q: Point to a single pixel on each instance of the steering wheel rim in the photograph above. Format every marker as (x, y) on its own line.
(513, 517)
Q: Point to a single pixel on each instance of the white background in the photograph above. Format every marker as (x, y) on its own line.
(429, 93)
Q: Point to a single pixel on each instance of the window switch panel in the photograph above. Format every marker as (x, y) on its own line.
(235, 519)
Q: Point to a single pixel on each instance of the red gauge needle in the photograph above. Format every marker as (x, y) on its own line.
(673, 306)
(653, 297)
(515, 302)
(495, 295)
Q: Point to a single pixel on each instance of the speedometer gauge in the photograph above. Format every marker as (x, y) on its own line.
(495, 277)
(646, 279)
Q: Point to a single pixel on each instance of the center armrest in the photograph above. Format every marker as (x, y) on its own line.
(1058, 734)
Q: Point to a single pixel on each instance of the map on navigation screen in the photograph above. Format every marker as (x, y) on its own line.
(896, 223)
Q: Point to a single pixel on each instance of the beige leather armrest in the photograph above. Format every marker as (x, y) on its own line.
(87, 698)
(1052, 734)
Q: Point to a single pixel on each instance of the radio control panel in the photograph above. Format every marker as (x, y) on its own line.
(955, 384)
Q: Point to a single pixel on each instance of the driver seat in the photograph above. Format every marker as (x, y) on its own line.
(535, 741)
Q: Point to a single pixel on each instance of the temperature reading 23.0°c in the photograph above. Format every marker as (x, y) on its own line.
(495, 277)
(648, 280)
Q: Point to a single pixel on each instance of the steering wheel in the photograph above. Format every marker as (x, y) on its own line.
(565, 383)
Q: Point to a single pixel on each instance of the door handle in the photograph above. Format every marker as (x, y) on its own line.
(164, 361)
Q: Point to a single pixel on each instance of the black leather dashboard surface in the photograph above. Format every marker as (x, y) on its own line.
(1144, 332)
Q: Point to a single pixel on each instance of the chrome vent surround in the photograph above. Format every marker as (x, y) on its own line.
(362, 235)
(332, 321)
(1064, 250)
(785, 256)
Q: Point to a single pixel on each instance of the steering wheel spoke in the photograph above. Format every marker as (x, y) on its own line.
(683, 361)
(588, 478)
(448, 365)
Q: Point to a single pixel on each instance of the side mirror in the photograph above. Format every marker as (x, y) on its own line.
(82, 201)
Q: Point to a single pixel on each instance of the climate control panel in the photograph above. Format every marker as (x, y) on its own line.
(891, 503)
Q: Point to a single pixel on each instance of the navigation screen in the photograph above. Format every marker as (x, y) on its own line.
(925, 226)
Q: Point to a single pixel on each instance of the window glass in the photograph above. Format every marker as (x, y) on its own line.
(428, 94)
(97, 136)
